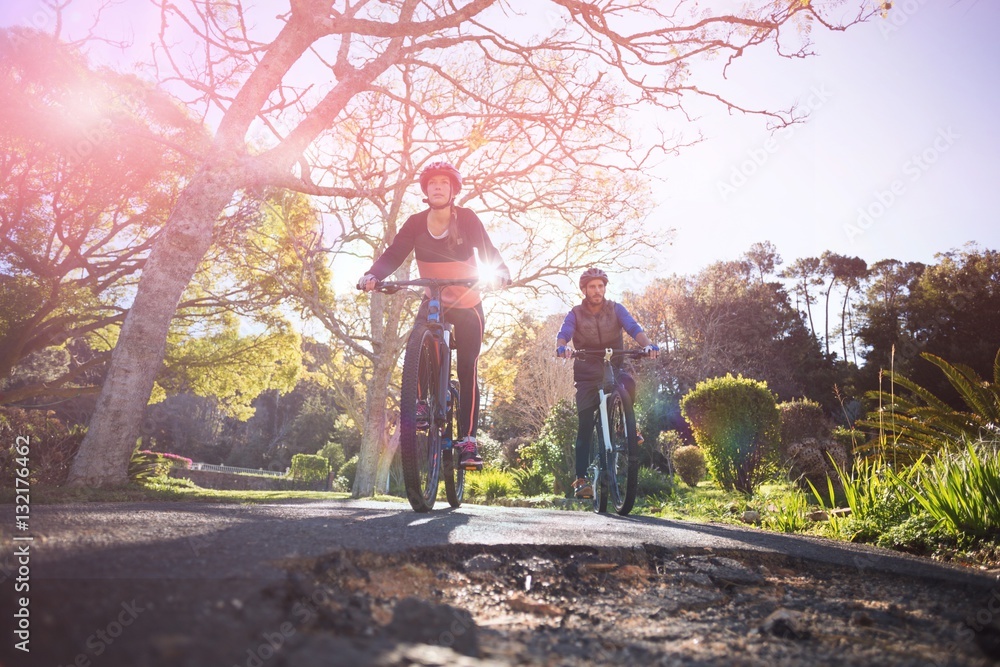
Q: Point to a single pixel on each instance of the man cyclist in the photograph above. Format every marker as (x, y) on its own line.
(443, 239)
(596, 324)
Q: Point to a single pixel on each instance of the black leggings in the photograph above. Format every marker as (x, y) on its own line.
(469, 324)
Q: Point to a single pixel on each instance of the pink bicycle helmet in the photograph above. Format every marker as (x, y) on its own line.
(592, 274)
(441, 169)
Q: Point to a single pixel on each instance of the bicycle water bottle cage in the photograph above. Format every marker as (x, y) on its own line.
(434, 311)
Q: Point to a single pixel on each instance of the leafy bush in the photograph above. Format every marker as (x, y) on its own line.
(532, 481)
(735, 422)
(653, 483)
(489, 485)
(800, 420)
(668, 442)
(491, 451)
(51, 444)
(553, 451)
(144, 465)
(919, 533)
(334, 453)
(309, 468)
(348, 470)
(689, 462)
(172, 460)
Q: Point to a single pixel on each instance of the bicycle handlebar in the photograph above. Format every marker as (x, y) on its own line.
(393, 286)
(585, 354)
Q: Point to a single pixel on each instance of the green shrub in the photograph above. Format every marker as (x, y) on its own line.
(309, 468)
(918, 533)
(689, 462)
(668, 442)
(334, 453)
(849, 438)
(653, 483)
(489, 485)
(348, 470)
(800, 420)
(51, 444)
(144, 465)
(553, 451)
(735, 422)
(492, 451)
(532, 481)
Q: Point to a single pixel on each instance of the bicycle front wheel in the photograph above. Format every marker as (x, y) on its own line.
(454, 474)
(623, 459)
(420, 434)
(598, 468)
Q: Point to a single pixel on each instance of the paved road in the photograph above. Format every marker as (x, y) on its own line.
(197, 583)
(200, 540)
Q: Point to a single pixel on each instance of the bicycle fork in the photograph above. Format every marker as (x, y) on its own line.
(444, 397)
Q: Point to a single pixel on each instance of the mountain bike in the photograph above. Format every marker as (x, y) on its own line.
(614, 459)
(428, 402)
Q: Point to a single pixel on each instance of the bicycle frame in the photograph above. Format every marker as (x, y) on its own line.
(422, 466)
(603, 405)
(606, 464)
(441, 330)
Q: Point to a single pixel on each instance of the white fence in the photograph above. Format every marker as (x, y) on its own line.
(230, 469)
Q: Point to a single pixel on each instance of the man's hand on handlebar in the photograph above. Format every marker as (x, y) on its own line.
(652, 350)
(564, 352)
(367, 282)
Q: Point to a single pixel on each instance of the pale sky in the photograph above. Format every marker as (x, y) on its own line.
(899, 158)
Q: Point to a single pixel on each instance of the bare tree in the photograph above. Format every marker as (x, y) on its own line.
(81, 202)
(270, 127)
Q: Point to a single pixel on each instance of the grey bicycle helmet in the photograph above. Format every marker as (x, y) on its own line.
(441, 169)
(592, 274)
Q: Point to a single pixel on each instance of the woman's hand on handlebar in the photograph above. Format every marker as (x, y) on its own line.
(564, 352)
(367, 282)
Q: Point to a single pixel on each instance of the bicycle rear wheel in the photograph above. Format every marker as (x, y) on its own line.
(420, 441)
(623, 459)
(454, 474)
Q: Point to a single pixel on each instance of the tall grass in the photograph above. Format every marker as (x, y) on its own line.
(961, 490)
(877, 496)
(785, 511)
(489, 485)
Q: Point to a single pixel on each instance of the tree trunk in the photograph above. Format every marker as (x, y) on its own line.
(375, 426)
(809, 312)
(111, 436)
(843, 321)
(826, 331)
(385, 459)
